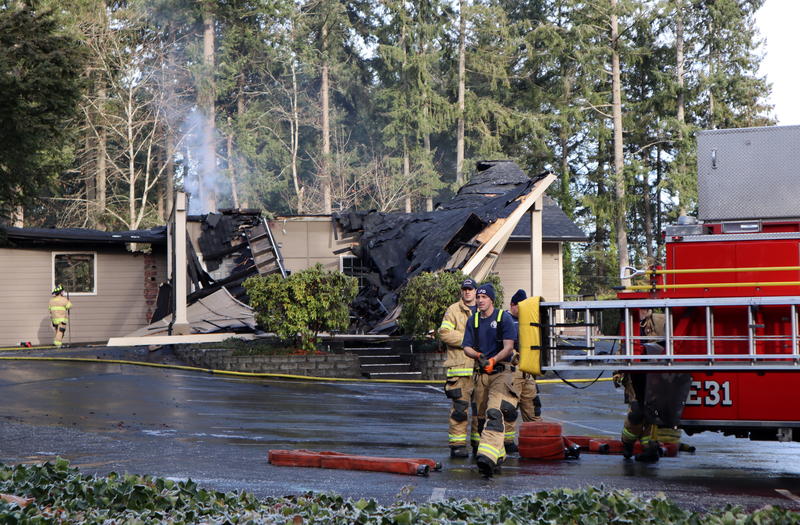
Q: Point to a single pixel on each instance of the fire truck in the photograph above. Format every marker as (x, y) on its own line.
(729, 292)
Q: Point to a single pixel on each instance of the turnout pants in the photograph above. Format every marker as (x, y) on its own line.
(459, 390)
(529, 406)
(59, 327)
(496, 403)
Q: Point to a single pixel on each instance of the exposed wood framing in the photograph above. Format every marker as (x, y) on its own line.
(501, 235)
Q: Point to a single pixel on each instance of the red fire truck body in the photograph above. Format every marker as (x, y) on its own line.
(746, 260)
(728, 290)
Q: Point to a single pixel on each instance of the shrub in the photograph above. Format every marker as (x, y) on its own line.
(426, 296)
(302, 305)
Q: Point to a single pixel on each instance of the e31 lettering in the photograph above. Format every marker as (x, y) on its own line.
(710, 394)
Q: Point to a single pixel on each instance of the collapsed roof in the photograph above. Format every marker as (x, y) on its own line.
(397, 246)
(467, 233)
(48, 236)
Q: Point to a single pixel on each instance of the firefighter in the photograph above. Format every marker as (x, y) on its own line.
(530, 407)
(636, 426)
(489, 340)
(59, 314)
(459, 384)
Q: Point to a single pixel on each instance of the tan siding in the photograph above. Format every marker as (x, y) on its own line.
(118, 308)
(305, 242)
(514, 269)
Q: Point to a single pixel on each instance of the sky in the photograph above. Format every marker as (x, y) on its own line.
(778, 24)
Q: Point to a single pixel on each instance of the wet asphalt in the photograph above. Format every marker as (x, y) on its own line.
(218, 430)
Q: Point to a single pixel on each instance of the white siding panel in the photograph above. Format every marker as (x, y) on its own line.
(118, 308)
(514, 269)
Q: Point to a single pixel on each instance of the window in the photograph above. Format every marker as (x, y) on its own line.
(76, 272)
(354, 267)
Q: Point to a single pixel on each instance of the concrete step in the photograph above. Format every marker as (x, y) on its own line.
(368, 350)
(394, 375)
(377, 359)
(385, 367)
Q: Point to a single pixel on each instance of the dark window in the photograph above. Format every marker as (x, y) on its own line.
(353, 267)
(75, 272)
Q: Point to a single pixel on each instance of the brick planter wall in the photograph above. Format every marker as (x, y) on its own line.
(328, 365)
(430, 364)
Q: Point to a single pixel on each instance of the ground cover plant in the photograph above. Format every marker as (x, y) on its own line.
(56, 493)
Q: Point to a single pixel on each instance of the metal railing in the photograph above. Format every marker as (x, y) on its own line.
(682, 351)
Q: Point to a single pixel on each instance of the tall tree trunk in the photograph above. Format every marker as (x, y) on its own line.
(231, 164)
(647, 212)
(659, 239)
(101, 175)
(90, 163)
(679, 67)
(325, 175)
(565, 196)
(169, 134)
(240, 110)
(462, 80)
(619, 176)
(680, 102)
(169, 173)
(295, 141)
(407, 174)
(208, 108)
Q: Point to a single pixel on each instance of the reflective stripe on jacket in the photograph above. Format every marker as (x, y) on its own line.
(59, 307)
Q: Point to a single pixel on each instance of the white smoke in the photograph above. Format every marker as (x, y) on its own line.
(206, 187)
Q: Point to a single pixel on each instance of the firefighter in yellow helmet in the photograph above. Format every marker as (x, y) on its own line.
(459, 384)
(59, 314)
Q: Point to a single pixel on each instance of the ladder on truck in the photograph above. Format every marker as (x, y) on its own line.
(265, 251)
(581, 345)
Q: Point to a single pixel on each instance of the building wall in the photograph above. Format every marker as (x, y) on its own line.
(119, 307)
(514, 268)
(305, 241)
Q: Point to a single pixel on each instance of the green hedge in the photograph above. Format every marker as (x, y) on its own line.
(426, 296)
(302, 305)
(61, 494)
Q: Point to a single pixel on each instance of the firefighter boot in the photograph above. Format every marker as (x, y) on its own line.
(627, 449)
(511, 447)
(459, 452)
(650, 453)
(486, 466)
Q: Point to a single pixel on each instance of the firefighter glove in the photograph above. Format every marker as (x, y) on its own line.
(482, 361)
(617, 379)
(489, 368)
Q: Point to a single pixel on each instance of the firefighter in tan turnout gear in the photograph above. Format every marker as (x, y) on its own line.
(636, 426)
(59, 314)
(459, 384)
(489, 340)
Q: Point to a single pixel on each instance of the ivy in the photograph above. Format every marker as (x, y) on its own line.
(302, 305)
(62, 494)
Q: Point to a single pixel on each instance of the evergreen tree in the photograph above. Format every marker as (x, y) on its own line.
(41, 85)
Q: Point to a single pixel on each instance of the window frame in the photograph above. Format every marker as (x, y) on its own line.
(362, 281)
(94, 269)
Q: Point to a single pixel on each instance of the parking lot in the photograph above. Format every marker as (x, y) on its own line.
(217, 431)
